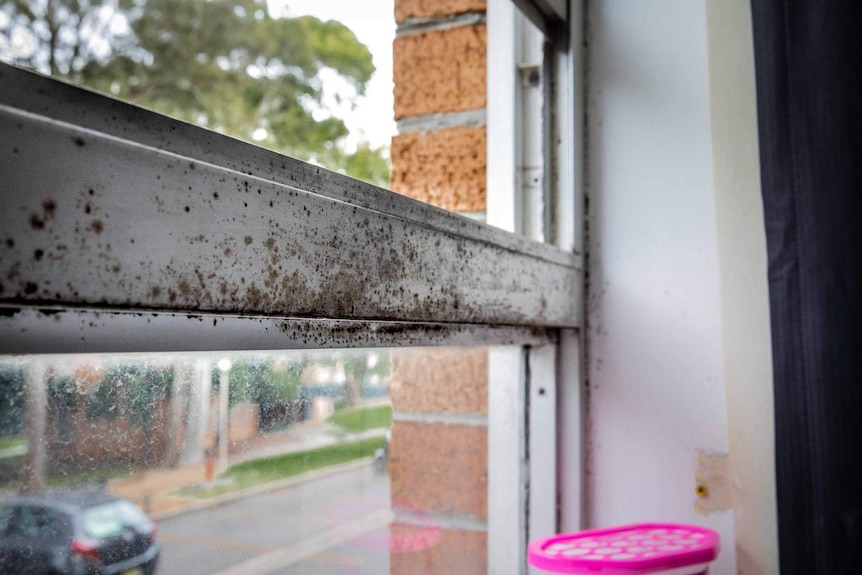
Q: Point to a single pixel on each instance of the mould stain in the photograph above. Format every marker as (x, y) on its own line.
(97, 226)
(78, 140)
(49, 207)
(36, 222)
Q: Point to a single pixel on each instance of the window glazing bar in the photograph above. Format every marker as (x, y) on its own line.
(105, 205)
(28, 330)
(549, 16)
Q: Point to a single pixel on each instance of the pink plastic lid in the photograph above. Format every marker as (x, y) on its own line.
(641, 548)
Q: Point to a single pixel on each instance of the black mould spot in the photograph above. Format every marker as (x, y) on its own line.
(97, 226)
(36, 222)
(38, 254)
(187, 209)
(9, 311)
(91, 191)
(10, 243)
(87, 208)
(191, 165)
(14, 150)
(78, 141)
(215, 195)
(30, 288)
(248, 240)
(48, 209)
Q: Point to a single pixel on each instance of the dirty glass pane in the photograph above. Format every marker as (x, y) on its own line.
(302, 78)
(345, 461)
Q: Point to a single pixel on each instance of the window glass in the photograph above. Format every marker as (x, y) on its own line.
(343, 461)
(6, 514)
(111, 519)
(288, 76)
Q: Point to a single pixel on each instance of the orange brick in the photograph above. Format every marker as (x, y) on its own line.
(444, 168)
(440, 380)
(440, 71)
(405, 9)
(439, 468)
(454, 552)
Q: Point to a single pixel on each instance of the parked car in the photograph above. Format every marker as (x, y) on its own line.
(75, 532)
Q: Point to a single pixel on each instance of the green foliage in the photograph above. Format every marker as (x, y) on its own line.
(263, 382)
(11, 399)
(355, 420)
(103, 403)
(63, 394)
(225, 65)
(132, 390)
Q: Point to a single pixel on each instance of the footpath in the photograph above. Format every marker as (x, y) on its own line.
(156, 490)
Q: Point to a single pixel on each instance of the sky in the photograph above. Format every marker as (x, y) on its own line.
(373, 22)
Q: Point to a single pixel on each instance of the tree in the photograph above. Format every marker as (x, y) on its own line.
(357, 367)
(11, 399)
(133, 390)
(272, 386)
(225, 65)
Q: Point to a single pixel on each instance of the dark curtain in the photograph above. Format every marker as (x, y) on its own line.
(808, 57)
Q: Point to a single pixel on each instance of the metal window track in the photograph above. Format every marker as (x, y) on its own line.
(113, 209)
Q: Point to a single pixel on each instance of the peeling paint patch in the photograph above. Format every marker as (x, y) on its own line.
(713, 485)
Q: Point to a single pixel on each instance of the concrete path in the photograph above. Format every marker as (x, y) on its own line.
(154, 490)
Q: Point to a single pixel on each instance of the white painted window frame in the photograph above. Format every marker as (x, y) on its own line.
(120, 201)
(534, 189)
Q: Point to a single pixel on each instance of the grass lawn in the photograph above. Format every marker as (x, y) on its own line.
(258, 471)
(354, 420)
(15, 443)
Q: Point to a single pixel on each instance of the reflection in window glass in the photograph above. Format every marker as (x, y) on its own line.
(240, 67)
(248, 463)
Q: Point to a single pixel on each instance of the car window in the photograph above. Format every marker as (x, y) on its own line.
(109, 520)
(39, 522)
(5, 518)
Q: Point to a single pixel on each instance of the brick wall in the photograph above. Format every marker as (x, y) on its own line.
(439, 450)
(439, 67)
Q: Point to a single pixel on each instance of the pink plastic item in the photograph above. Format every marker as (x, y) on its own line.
(661, 548)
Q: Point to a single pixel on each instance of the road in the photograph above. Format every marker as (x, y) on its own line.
(335, 525)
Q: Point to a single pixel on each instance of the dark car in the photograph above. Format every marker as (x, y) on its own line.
(75, 532)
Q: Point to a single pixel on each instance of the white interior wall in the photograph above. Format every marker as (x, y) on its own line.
(655, 350)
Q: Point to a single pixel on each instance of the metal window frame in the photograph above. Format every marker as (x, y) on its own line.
(535, 188)
(114, 216)
(85, 176)
(549, 16)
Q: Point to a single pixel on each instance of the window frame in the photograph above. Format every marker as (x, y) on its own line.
(536, 387)
(455, 279)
